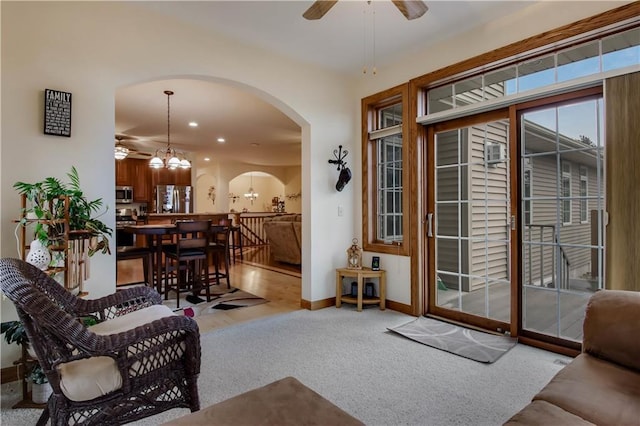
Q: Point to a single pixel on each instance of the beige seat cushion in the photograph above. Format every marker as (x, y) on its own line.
(596, 390)
(90, 378)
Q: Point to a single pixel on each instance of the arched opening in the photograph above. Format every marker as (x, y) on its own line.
(262, 143)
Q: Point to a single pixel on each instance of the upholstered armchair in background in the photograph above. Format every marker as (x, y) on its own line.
(139, 360)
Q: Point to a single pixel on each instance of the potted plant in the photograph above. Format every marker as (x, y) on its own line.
(40, 387)
(45, 205)
(14, 332)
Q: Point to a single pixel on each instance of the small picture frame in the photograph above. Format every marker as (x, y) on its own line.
(375, 263)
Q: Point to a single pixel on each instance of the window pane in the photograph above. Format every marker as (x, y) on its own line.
(539, 131)
(578, 61)
(390, 116)
(536, 73)
(621, 50)
(468, 91)
(389, 167)
(500, 83)
(578, 122)
(440, 99)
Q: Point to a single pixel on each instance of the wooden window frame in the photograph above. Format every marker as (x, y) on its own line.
(370, 107)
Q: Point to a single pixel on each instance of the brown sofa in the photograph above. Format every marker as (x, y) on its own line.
(284, 233)
(601, 385)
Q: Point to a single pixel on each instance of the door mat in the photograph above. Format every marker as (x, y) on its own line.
(476, 345)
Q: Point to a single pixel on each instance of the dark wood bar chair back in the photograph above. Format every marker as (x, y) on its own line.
(219, 253)
(186, 260)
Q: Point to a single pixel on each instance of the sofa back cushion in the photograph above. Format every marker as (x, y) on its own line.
(612, 327)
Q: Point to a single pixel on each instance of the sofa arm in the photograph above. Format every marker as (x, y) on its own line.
(612, 326)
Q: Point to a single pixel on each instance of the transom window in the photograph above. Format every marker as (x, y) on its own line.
(609, 53)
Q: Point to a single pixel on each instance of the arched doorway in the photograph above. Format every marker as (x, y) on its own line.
(241, 129)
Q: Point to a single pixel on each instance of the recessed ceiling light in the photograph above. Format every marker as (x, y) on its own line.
(207, 159)
(221, 140)
(193, 124)
(255, 144)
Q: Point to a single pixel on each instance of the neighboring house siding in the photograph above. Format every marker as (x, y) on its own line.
(545, 212)
(447, 214)
(490, 207)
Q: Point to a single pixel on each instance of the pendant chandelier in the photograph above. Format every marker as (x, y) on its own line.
(251, 195)
(121, 151)
(169, 157)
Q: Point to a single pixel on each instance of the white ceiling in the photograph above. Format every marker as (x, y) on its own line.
(342, 41)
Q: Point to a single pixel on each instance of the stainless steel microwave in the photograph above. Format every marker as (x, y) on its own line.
(124, 194)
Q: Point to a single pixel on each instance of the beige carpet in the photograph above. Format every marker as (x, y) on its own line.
(222, 298)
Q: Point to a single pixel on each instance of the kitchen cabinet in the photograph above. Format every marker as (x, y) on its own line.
(170, 177)
(124, 173)
(136, 173)
(141, 181)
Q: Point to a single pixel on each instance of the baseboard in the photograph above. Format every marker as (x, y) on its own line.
(400, 307)
(9, 374)
(317, 304)
(325, 303)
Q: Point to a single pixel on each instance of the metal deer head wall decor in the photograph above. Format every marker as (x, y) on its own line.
(345, 173)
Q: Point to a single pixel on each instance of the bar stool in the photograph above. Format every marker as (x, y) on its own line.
(236, 241)
(219, 252)
(133, 252)
(189, 257)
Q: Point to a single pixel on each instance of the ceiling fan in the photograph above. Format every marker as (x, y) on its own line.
(411, 9)
(123, 150)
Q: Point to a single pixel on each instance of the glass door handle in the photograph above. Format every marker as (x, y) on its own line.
(430, 225)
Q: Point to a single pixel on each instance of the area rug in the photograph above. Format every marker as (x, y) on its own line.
(222, 298)
(465, 342)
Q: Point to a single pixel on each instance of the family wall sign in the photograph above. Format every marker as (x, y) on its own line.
(57, 113)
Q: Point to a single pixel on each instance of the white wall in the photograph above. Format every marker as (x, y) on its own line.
(266, 187)
(92, 48)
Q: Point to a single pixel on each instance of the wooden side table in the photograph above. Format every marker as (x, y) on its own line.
(360, 275)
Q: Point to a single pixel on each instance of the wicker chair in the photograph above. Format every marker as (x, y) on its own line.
(149, 356)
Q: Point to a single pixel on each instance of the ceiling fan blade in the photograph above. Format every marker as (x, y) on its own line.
(318, 9)
(411, 9)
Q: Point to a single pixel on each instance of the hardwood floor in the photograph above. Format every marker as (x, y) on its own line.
(281, 289)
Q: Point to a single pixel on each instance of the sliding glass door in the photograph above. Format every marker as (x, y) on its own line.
(469, 221)
(562, 187)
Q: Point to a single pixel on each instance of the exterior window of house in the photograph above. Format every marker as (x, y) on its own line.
(527, 192)
(566, 193)
(584, 191)
(385, 175)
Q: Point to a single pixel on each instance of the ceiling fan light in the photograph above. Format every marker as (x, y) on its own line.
(121, 152)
